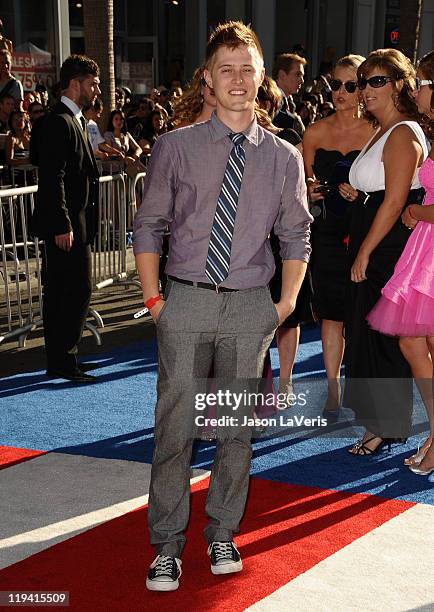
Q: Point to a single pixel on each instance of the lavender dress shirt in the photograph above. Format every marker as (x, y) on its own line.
(181, 189)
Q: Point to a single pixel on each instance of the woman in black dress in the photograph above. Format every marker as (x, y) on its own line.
(288, 333)
(329, 147)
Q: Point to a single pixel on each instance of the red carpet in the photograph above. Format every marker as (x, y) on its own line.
(10, 455)
(287, 530)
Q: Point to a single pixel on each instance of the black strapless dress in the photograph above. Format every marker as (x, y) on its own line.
(328, 264)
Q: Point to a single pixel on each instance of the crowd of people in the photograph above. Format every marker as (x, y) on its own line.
(347, 113)
(132, 129)
(329, 122)
(147, 117)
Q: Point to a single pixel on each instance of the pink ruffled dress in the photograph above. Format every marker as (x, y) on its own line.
(406, 307)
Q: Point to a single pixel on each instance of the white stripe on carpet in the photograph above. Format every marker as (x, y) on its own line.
(390, 568)
(39, 505)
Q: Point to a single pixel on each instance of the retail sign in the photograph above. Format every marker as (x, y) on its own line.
(32, 65)
(394, 36)
(138, 76)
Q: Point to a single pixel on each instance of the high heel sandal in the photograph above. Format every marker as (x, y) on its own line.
(417, 458)
(362, 450)
(420, 472)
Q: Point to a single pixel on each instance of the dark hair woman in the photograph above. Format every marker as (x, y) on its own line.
(118, 137)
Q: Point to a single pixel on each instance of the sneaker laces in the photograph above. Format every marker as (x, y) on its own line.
(163, 565)
(222, 550)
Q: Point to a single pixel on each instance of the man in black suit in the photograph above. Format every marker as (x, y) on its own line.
(65, 215)
(288, 72)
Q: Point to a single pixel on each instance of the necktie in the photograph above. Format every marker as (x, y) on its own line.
(84, 126)
(219, 250)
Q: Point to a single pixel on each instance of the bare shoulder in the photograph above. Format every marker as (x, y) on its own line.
(402, 135)
(317, 131)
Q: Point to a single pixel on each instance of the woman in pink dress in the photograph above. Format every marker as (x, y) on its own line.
(406, 308)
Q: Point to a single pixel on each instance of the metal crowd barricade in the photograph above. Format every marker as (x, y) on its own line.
(24, 175)
(21, 258)
(110, 255)
(135, 196)
(20, 266)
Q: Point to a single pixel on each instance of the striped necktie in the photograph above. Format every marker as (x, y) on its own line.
(219, 250)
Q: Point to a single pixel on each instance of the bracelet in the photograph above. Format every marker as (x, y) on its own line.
(409, 212)
(150, 303)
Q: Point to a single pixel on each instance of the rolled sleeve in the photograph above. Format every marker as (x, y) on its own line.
(156, 210)
(292, 225)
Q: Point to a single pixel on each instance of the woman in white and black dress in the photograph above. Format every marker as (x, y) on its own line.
(378, 383)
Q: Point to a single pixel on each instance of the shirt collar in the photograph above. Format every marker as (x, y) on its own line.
(75, 110)
(219, 131)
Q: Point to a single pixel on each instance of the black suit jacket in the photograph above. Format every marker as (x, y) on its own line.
(67, 197)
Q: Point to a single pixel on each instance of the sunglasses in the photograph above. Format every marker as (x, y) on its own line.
(421, 82)
(336, 84)
(375, 82)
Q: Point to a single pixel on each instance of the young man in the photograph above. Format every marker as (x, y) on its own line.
(137, 123)
(221, 186)
(36, 111)
(65, 215)
(7, 105)
(288, 72)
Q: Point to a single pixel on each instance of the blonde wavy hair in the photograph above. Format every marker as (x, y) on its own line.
(268, 103)
(188, 107)
(351, 61)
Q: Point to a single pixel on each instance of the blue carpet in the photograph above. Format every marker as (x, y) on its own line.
(114, 419)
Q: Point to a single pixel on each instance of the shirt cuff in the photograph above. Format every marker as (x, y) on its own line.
(300, 251)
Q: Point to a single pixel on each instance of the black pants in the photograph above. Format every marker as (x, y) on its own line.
(66, 278)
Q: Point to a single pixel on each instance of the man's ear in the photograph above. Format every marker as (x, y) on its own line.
(208, 78)
(74, 85)
(261, 78)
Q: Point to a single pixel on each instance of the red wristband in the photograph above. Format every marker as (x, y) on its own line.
(409, 212)
(152, 301)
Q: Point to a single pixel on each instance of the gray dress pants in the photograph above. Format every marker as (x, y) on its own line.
(198, 329)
